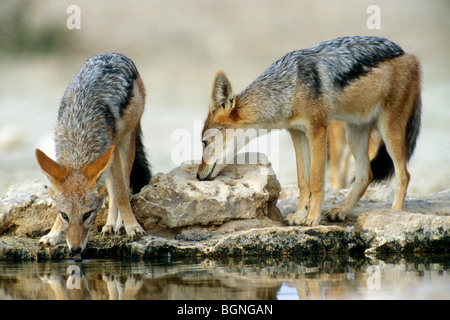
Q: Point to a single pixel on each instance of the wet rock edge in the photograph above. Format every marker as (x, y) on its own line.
(371, 230)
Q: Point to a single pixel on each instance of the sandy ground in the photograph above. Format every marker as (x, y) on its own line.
(179, 45)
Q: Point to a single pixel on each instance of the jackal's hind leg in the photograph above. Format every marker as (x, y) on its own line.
(358, 138)
(396, 148)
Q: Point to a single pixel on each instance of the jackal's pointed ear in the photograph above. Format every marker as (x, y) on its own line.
(222, 96)
(53, 170)
(94, 171)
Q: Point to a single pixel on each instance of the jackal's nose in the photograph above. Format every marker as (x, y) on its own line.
(75, 250)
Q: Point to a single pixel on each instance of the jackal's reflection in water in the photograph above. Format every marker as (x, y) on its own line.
(237, 279)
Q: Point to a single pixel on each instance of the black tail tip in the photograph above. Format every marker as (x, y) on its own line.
(140, 176)
(382, 165)
(140, 173)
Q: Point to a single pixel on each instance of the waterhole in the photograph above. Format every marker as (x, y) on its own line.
(425, 277)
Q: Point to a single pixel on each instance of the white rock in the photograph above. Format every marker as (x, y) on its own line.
(387, 231)
(178, 199)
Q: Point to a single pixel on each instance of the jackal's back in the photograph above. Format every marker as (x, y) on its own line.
(326, 67)
(92, 103)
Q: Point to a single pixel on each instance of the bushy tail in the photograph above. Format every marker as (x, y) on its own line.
(382, 165)
(140, 173)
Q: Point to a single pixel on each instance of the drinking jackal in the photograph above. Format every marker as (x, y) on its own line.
(99, 151)
(365, 82)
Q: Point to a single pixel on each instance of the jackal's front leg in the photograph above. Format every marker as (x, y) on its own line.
(113, 221)
(121, 195)
(301, 147)
(318, 143)
(54, 236)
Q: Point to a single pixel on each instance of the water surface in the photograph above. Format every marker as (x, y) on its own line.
(425, 277)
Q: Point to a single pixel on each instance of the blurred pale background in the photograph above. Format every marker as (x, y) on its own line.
(178, 46)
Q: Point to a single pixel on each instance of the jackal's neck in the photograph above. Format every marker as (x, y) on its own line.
(80, 142)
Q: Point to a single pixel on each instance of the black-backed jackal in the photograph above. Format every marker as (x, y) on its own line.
(99, 151)
(366, 82)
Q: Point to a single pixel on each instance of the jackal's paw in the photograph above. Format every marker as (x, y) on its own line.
(335, 214)
(301, 219)
(107, 230)
(121, 230)
(135, 231)
(309, 222)
(293, 220)
(49, 240)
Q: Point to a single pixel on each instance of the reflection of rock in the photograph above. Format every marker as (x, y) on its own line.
(178, 199)
(249, 278)
(233, 215)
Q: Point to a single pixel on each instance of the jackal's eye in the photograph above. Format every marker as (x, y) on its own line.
(87, 215)
(64, 216)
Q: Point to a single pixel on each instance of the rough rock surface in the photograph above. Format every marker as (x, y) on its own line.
(27, 210)
(178, 199)
(272, 241)
(388, 231)
(181, 220)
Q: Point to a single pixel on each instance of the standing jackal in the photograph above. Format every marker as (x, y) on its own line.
(366, 82)
(99, 151)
